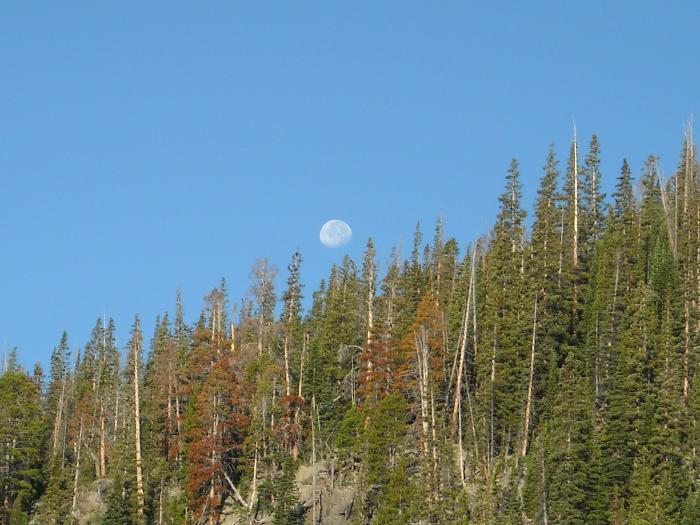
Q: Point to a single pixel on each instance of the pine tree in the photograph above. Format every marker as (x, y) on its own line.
(569, 450)
(400, 501)
(291, 321)
(22, 436)
(56, 397)
(592, 200)
(217, 429)
(262, 291)
(500, 369)
(120, 507)
(548, 334)
(285, 495)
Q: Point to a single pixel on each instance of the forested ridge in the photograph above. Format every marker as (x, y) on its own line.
(546, 373)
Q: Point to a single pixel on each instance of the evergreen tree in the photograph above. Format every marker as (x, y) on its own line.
(400, 502)
(500, 368)
(592, 199)
(22, 436)
(569, 452)
(285, 495)
(120, 506)
(549, 378)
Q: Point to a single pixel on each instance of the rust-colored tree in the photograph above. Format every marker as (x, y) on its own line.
(219, 424)
(380, 368)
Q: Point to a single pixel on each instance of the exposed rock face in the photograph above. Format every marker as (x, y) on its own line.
(91, 503)
(331, 504)
(326, 501)
(320, 496)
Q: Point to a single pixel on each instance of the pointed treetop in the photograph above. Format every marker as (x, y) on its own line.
(511, 214)
(624, 193)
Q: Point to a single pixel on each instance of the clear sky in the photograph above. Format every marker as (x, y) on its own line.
(146, 146)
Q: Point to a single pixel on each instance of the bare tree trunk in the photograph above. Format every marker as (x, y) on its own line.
(594, 204)
(353, 395)
(545, 517)
(561, 250)
(177, 418)
(214, 432)
(274, 398)
(492, 441)
(697, 257)
(433, 435)
(596, 371)
(297, 408)
(160, 503)
(460, 443)
(474, 295)
(261, 324)
(301, 363)
(676, 215)
(254, 483)
(422, 354)
(77, 447)
(236, 493)
(137, 437)
(169, 408)
(575, 240)
(116, 413)
(493, 357)
(313, 462)
(528, 403)
(103, 459)
(63, 443)
(287, 343)
(686, 351)
(287, 381)
(463, 343)
(370, 307)
(59, 416)
(688, 153)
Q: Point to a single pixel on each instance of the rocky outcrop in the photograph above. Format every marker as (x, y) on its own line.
(322, 500)
(321, 497)
(91, 502)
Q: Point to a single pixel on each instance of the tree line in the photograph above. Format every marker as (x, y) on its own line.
(543, 374)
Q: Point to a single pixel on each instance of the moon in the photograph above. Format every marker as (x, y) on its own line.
(335, 233)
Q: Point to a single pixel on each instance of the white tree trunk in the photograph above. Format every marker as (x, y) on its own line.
(575, 240)
(137, 437)
(59, 416)
(463, 343)
(77, 447)
(528, 402)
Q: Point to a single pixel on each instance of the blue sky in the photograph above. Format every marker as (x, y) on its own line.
(150, 146)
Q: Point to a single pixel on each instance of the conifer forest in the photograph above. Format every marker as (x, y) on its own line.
(545, 373)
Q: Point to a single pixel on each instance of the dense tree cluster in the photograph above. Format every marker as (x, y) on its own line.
(547, 374)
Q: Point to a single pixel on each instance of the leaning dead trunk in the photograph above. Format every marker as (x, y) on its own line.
(463, 343)
(254, 483)
(213, 456)
(59, 415)
(460, 444)
(422, 362)
(528, 402)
